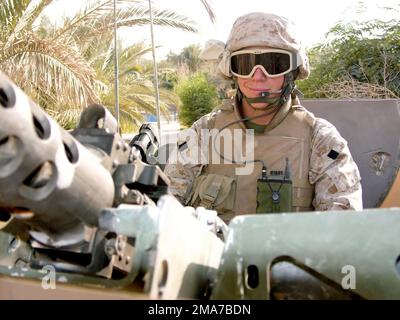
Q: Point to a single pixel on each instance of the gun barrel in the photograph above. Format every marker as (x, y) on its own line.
(44, 169)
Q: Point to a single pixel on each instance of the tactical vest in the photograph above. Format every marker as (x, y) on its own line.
(289, 135)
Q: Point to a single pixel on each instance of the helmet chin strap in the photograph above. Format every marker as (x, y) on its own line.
(287, 88)
(264, 98)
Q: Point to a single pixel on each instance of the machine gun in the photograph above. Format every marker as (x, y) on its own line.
(87, 207)
(91, 206)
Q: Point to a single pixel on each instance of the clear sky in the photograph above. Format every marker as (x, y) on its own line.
(313, 18)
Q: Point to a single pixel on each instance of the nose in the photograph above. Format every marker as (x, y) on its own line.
(259, 75)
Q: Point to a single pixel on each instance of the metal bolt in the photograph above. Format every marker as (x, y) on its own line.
(115, 164)
(109, 247)
(120, 244)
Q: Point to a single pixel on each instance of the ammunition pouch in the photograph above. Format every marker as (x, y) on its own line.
(214, 191)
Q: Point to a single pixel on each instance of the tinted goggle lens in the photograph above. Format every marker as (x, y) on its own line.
(273, 62)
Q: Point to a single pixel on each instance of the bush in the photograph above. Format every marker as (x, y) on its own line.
(364, 53)
(198, 97)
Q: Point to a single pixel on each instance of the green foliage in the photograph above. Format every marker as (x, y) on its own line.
(168, 78)
(362, 52)
(189, 57)
(198, 98)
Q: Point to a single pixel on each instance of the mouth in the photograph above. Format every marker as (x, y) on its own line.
(260, 89)
(271, 93)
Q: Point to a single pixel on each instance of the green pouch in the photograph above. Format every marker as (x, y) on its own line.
(274, 196)
(214, 191)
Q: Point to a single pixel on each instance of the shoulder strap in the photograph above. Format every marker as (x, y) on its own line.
(226, 105)
(305, 114)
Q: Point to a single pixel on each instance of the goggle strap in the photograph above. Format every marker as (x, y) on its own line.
(261, 99)
(294, 61)
(297, 92)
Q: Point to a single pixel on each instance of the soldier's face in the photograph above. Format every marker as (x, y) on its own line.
(259, 82)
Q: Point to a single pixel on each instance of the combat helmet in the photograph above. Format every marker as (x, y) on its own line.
(259, 29)
(266, 31)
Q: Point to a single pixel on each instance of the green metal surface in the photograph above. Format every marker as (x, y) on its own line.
(140, 224)
(324, 242)
(175, 256)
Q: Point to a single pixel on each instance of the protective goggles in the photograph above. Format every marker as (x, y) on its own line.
(273, 62)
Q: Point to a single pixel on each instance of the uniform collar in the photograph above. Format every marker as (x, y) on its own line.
(276, 120)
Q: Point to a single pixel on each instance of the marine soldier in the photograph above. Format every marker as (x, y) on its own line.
(263, 56)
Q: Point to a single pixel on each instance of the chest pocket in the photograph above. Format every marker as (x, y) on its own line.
(214, 191)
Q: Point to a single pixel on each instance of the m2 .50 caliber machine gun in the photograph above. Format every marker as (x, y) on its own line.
(89, 207)
(89, 211)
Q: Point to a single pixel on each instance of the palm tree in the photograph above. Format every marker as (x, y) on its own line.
(58, 66)
(136, 91)
(47, 69)
(93, 36)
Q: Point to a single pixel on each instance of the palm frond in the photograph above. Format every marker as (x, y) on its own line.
(140, 16)
(24, 23)
(57, 68)
(134, 98)
(128, 59)
(87, 15)
(36, 12)
(108, 56)
(10, 13)
(130, 122)
(66, 118)
(209, 10)
(133, 53)
(99, 20)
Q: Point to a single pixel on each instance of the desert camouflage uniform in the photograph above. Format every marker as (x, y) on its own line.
(334, 180)
(337, 183)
